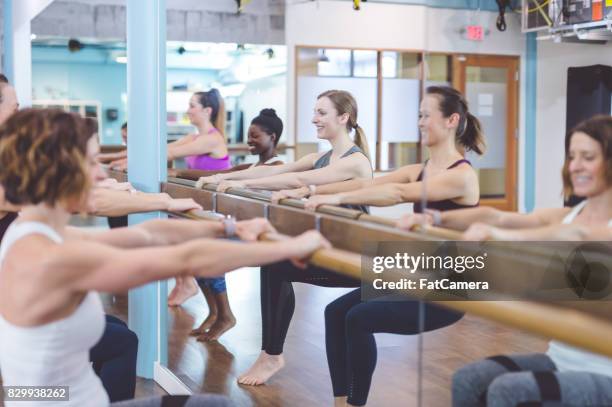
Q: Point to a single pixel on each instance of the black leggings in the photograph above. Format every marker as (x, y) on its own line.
(349, 337)
(114, 359)
(278, 298)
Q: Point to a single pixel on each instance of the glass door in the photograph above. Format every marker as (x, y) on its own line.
(490, 84)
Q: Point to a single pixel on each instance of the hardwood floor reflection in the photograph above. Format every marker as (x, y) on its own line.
(214, 367)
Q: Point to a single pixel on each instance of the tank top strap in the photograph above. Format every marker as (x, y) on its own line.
(459, 162)
(352, 150)
(453, 165)
(19, 230)
(322, 161)
(569, 218)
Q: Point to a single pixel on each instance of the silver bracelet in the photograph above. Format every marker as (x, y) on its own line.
(437, 217)
(229, 224)
(312, 189)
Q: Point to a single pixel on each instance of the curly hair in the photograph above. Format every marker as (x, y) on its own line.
(598, 128)
(42, 156)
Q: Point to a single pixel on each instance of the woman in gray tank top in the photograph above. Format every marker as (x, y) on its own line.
(335, 117)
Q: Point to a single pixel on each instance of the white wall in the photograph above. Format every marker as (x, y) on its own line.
(553, 61)
(399, 27)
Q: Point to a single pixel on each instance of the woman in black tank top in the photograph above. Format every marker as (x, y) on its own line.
(350, 325)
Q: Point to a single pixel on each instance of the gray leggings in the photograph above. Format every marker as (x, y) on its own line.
(196, 400)
(525, 381)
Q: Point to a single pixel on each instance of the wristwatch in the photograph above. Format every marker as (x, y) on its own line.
(229, 224)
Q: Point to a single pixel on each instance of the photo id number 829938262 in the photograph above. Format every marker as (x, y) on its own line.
(36, 393)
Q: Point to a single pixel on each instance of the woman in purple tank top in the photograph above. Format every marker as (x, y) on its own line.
(205, 150)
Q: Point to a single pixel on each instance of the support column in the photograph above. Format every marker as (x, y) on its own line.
(17, 62)
(146, 83)
(531, 84)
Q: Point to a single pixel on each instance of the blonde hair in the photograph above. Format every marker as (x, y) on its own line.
(344, 102)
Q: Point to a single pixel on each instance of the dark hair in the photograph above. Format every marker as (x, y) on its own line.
(469, 131)
(42, 156)
(91, 126)
(344, 102)
(269, 123)
(124, 126)
(213, 99)
(599, 128)
(3, 78)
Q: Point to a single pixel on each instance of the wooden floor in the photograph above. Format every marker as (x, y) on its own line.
(213, 367)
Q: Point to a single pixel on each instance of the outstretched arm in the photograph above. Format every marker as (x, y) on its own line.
(83, 266)
(303, 164)
(355, 166)
(451, 184)
(110, 202)
(571, 232)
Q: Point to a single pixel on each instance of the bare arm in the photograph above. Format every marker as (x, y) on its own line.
(303, 164)
(197, 174)
(195, 146)
(155, 232)
(461, 219)
(108, 157)
(83, 266)
(451, 184)
(109, 202)
(354, 166)
(401, 175)
(572, 232)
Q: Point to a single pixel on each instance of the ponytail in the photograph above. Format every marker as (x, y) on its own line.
(361, 141)
(469, 131)
(345, 103)
(219, 121)
(472, 138)
(218, 110)
(213, 99)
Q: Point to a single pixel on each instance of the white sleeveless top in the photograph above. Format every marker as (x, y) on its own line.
(567, 357)
(268, 161)
(57, 353)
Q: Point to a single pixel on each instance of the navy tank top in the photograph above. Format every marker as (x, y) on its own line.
(323, 161)
(445, 204)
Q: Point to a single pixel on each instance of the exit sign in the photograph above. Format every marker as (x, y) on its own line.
(474, 32)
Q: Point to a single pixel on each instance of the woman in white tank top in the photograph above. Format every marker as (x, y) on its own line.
(50, 314)
(564, 375)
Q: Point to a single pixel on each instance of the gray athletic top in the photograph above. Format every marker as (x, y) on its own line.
(323, 161)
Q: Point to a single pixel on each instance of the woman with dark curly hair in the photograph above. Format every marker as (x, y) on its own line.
(50, 313)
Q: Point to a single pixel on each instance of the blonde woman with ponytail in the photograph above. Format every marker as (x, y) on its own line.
(448, 130)
(335, 117)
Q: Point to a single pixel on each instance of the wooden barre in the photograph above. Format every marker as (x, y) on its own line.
(560, 323)
(552, 321)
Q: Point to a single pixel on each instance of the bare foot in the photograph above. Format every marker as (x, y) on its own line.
(340, 401)
(264, 367)
(204, 326)
(183, 292)
(221, 326)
